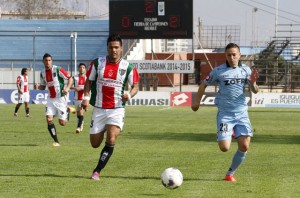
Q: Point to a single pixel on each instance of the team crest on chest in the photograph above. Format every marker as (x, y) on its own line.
(54, 74)
(122, 72)
(243, 72)
(110, 73)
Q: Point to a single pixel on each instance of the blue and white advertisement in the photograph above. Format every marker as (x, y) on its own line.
(10, 96)
(289, 100)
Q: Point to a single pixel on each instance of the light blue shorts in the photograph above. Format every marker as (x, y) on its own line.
(228, 122)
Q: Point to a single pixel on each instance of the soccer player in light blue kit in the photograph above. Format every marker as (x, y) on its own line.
(232, 119)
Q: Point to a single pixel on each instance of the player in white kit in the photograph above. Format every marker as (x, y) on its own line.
(53, 78)
(78, 86)
(23, 92)
(106, 79)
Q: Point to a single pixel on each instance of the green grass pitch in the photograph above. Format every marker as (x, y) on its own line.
(154, 138)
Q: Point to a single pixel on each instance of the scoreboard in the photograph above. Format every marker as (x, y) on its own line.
(151, 19)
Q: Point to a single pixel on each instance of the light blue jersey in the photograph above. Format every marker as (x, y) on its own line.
(231, 82)
(231, 100)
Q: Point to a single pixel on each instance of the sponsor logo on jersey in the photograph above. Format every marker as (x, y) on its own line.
(235, 81)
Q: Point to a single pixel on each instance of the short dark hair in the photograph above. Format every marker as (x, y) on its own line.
(82, 64)
(114, 37)
(232, 45)
(46, 55)
(23, 71)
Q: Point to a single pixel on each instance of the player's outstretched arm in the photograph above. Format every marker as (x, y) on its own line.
(195, 106)
(252, 79)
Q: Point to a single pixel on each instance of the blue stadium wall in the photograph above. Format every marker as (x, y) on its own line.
(24, 42)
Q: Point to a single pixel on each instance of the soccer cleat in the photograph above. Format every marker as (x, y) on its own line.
(55, 144)
(15, 114)
(95, 176)
(28, 116)
(230, 178)
(78, 130)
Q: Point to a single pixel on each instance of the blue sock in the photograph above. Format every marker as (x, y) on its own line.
(237, 160)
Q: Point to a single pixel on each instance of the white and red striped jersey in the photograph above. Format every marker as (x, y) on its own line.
(110, 80)
(78, 81)
(54, 80)
(23, 82)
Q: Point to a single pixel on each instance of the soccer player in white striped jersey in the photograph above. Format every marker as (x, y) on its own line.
(106, 79)
(231, 77)
(53, 78)
(23, 92)
(78, 85)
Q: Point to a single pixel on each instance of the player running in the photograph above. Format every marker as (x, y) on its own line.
(53, 77)
(232, 78)
(78, 86)
(107, 78)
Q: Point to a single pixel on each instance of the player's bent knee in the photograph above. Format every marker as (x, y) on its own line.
(224, 145)
(95, 144)
(95, 141)
(62, 122)
(224, 149)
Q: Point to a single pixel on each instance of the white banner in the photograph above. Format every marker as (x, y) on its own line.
(163, 66)
(150, 98)
(276, 100)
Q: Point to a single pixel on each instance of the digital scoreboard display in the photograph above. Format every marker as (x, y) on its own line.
(151, 19)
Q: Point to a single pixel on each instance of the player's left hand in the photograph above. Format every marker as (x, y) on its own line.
(125, 97)
(195, 106)
(254, 76)
(65, 91)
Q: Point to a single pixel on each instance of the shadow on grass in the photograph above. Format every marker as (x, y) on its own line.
(276, 139)
(88, 177)
(211, 137)
(18, 145)
(207, 137)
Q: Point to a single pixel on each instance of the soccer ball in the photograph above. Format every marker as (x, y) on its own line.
(171, 178)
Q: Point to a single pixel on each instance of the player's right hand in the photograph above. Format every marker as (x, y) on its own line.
(195, 106)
